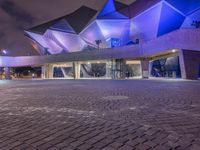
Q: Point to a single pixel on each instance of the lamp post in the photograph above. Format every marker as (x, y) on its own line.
(3, 52)
(98, 42)
(6, 69)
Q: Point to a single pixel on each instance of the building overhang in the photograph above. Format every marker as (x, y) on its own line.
(187, 39)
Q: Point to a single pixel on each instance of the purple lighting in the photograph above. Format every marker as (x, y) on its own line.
(104, 29)
(116, 24)
(70, 42)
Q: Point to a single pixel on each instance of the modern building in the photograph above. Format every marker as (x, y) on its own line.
(148, 38)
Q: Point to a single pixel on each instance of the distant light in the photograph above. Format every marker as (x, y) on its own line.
(4, 51)
(98, 62)
(173, 51)
(88, 63)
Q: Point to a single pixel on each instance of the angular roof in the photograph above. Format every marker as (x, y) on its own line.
(79, 19)
(140, 6)
(119, 5)
(111, 9)
(41, 29)
(76, 21)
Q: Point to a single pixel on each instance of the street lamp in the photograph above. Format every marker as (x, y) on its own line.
(3, 52)
(6, 69)
(98, 42)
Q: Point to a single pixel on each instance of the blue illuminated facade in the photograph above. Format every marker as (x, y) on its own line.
(118, 25)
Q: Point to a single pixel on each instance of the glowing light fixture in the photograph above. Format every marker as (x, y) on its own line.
(173, 51)
(4, 51)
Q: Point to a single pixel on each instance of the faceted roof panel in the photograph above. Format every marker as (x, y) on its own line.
(41, 29)
(140, 6)
(92, 33)
(145, 26)
(194, 5)
(182, 5)
(63, 26)
(70, 42)
(75, 21)
(110, 10)
(114, 15)
(48, 34)
(170, 20)
(119, 5)
(109, 7)
(80, 18)
(114, 28)
(185, 6)
(52, 47)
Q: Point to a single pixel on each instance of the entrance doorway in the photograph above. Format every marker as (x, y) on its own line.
(116, 70)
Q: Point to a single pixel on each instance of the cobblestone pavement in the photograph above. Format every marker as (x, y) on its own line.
(100, 115)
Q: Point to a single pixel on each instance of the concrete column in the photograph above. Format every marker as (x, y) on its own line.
(189, 64)
(145, 69)
(77, 69)
(108, 70)
(48, 71)
(7, 73)
(182, 65)
(43, 72)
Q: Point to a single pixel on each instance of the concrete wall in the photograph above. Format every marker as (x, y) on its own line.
(190, 62)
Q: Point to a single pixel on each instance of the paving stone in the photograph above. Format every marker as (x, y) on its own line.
(126, 147)
(161, 148)
(108, 148)
(84, 147)
(62, 145)
(102, 143)
(76, 143)
(116, 145)
(195, 147)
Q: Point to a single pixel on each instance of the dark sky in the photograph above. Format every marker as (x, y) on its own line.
(17, 15)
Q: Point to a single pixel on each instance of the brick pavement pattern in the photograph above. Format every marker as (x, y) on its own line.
(100, 115)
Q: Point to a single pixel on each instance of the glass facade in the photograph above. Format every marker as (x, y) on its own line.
(103, 69)
(63, 71)
(94, 70)
(133, 69)
(166, 67)
(115, 69)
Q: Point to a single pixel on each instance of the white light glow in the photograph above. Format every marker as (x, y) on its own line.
(173, 51)
(4, 51)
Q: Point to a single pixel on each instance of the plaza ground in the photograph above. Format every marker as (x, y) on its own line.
(100, 115)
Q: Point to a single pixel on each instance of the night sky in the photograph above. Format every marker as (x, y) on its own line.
(18, 15)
